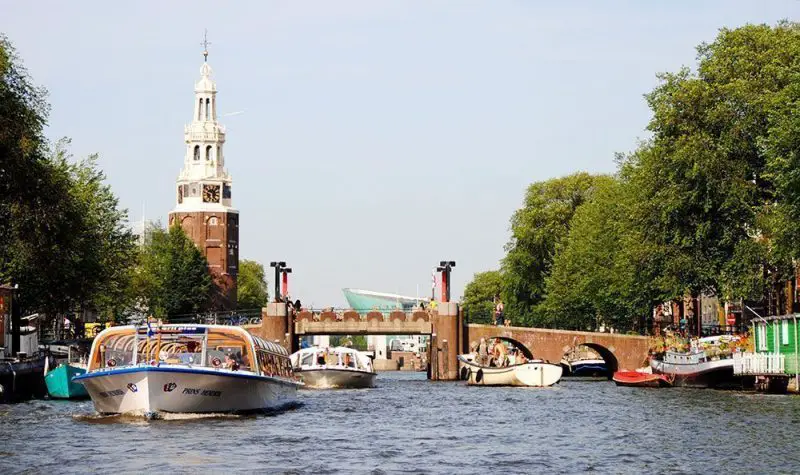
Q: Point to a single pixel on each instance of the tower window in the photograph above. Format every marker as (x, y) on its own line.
(208, 153)
(197, 152)
(212, 221)
(208, 109)
(200, 110)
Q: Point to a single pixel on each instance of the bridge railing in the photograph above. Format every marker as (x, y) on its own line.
(360, 315)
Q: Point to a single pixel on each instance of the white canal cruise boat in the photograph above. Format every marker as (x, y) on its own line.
(338, 367)
(178, 368)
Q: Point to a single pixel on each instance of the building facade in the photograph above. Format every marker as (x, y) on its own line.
(203, 192)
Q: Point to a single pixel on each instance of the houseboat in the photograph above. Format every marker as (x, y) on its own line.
(172, 368)
(772, 364)
(339, 367)
(701, 363)
(517, 368)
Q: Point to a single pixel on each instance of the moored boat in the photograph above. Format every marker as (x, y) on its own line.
(641, 379)
(338, 367)
(702, 363)
(187, 369)
(517, 368)
(74, 363)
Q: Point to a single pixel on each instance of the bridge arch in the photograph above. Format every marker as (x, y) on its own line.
(606, 354)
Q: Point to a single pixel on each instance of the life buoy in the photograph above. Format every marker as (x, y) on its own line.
(111, 363)
(216, 362)
(479, 376)
(464, 373)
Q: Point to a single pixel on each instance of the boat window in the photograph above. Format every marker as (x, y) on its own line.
(307, 360)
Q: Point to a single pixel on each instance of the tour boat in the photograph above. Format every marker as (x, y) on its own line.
(711, 367)
(641, 379)
(338, 367)
(173, 368)
(532, 372)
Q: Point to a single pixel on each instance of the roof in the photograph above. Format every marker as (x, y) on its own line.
(791, 316)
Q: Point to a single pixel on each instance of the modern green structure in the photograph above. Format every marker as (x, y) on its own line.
(363, 301)
(775, 361)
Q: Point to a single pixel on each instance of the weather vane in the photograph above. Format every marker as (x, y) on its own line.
(205, 44)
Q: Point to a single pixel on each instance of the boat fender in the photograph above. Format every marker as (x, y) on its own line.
(464, 373)
(479, 376)
(111, 363)
(216, 362)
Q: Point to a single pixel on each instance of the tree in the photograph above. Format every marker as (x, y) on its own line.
(172, 278)
(479, 294)
(706, 196)
(536, 231)
(251, 290)
(596, 276)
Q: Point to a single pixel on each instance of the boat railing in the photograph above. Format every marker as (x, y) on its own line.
(759, 363)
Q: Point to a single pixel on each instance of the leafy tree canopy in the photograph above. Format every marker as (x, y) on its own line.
(252, 292)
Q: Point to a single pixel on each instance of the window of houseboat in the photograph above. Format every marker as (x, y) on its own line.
(785, 332)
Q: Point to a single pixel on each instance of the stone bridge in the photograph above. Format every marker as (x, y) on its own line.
(449, 336)
(620, 351)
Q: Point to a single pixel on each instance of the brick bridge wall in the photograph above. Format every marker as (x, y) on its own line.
(620, 351)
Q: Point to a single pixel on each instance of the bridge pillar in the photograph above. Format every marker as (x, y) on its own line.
(446, 327)
(275, 325)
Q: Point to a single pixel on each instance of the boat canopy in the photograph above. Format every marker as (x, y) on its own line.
(331, 357)
(216, 346)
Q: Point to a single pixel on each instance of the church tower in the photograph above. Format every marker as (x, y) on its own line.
(203, 193)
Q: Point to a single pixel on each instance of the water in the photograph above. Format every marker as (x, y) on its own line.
(408, 424)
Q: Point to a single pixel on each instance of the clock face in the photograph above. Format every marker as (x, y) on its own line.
(210, 193)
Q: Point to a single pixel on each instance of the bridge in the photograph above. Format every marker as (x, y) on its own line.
(449, 335)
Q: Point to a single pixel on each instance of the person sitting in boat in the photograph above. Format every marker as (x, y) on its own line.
(499, 353)
(321, 359)
(230, 363)
(348, 361)
(483, 353)
(512, 357)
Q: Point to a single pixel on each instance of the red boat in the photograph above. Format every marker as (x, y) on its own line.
(643, 380)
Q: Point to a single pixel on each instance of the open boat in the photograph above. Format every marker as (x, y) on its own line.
(186, 369)
(338, 367)
(641, 379)
(519, 369)
(74, 363)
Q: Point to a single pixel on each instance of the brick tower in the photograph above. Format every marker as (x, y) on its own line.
(204, 209)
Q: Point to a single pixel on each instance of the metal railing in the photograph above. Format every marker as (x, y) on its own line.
(759, 363)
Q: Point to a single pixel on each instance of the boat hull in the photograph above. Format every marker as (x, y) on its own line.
(640, 380)
(60, 385)
(330, 378)
(588, 368)
(537, 374)
(147, 390)
(709, 374)
(21, 380)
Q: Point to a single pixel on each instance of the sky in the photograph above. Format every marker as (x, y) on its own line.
(377, 138)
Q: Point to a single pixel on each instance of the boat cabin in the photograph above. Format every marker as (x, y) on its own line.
(210, 346)
(342, 357)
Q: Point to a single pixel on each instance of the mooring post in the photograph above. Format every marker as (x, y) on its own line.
(445, 363)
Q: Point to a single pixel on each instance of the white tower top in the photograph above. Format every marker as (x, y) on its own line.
(204, 184)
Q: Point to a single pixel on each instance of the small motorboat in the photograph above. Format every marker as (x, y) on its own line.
(641, 379)
(73, 363)
(519, 368)
(174, 368)
(339, 367)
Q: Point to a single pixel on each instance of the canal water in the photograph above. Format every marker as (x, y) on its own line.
(410, 425)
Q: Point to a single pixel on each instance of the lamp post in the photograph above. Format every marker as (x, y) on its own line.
(445, 267)
(278, 265)
(285, 290)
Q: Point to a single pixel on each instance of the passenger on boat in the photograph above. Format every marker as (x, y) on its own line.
(500, 353)
(483, 353)
(321, 359)
(512, 357)
(230, 363)
(348, 361)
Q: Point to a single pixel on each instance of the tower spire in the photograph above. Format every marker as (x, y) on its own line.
(205, 44)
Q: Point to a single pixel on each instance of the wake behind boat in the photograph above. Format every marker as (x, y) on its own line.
(186, 369)
(338, 367)
(503, 367)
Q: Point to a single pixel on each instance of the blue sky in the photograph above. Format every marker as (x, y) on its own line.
(377, 137)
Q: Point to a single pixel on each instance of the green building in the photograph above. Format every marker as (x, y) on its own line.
(775, 361)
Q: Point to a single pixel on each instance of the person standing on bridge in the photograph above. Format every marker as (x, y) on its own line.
(498, 313)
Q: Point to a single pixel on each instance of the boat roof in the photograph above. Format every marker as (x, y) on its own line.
(790, 316)
(260, 343)
(335, 349)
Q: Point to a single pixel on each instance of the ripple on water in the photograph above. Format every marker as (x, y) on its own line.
(407, 424)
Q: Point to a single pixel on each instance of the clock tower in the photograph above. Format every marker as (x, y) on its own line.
(203, 192)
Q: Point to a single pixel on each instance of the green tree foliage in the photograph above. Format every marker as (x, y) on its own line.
(479, 294)
(536, 231)
(172, 278)
(252, 290)
(596, 277)
(64, 239)
(705, 182)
